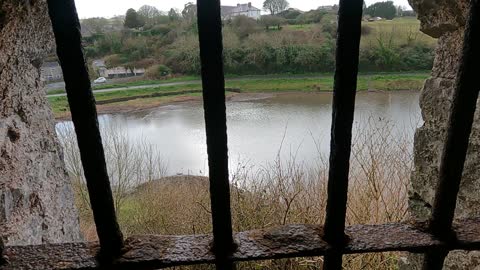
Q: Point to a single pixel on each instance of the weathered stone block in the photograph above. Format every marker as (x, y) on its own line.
(36, 197)
(443, 19)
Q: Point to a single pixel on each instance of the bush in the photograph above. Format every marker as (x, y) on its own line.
(366, 30)
(249, 49)
(160, 30)
(283, 191)
(272, 21)
(330, 28)
(114, 60)
(243, 26)
(417, 57)
(157, 72)
(386, 56)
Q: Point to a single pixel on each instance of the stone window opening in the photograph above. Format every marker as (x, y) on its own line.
(22, 122)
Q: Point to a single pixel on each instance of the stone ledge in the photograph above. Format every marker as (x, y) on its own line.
(160, 251)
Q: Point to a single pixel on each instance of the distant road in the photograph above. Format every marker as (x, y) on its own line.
(133, 87)
(246, 78)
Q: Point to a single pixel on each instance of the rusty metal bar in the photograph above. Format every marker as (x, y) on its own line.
(458, 132)
(66, 28)
(344, 90)
(213, 84)
(162, 251)
(2, 247)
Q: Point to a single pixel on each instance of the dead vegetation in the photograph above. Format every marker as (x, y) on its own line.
(280, 192)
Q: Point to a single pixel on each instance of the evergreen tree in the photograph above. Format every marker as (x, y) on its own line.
(385, 10)
(132, 20)
(173, 15)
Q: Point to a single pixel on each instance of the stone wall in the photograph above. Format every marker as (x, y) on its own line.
(445, 20)
(36, 199)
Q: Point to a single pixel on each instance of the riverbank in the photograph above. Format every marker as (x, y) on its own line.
(130, 98)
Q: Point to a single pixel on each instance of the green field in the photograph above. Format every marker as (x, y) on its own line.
(382, 82)
(400, 31)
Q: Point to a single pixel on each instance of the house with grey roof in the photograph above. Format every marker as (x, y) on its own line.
(51, 71)
(229, 12)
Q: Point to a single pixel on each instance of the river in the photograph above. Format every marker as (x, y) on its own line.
(292, 124)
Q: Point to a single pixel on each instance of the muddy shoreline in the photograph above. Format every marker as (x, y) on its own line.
(137, 105)
(145, 104)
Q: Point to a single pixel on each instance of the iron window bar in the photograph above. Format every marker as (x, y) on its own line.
(213, 84)
(66, 28)
(344, 91)
(159, 251)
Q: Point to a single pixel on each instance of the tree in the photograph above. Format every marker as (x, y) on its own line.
(189, 12)
(132, 20)
(149, 14)
(312, 16)
(275, 6)
(290, 14)
(173, 15)
(409, 13)
(243, 26)
(385, 10)
(268, 21)
(94, 25)
(399, 11)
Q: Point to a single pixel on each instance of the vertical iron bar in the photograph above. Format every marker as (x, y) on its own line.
(458, 133)
(2, 247)
(66, 28)
(345, 86)
(213, 83)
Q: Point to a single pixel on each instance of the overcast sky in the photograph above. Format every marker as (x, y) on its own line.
(109, 8)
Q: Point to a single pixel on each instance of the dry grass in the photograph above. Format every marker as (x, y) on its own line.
(280, 192)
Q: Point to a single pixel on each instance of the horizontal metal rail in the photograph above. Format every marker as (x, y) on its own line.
(157, 251)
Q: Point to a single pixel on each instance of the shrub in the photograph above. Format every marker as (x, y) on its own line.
(243, 26)
(283, 191)
(417, 57)
(330, 28)
(160, 30)
(183, 56)
(366, 30)
(269, 21)
(157, 72)
(114, 60)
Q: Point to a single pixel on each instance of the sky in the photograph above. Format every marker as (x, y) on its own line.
(110, 8)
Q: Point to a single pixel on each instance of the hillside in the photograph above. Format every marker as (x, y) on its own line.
(265, 46)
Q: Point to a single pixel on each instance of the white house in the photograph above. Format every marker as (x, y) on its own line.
(228, 12)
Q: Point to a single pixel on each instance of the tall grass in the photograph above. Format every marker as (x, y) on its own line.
(283, 191)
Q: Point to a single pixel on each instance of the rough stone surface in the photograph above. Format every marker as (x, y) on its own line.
(296, 240)
(445, 20)
(36, 199)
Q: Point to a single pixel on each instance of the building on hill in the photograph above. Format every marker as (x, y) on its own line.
(229, 12)
(121, 72)
(51, 71)
(99, 67)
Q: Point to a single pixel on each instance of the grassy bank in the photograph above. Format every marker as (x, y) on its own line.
(382, 82)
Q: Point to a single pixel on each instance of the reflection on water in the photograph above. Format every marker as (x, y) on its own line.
(298, 124)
